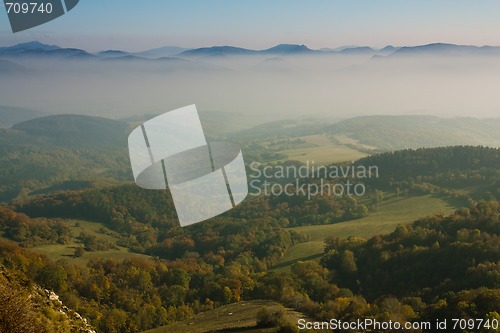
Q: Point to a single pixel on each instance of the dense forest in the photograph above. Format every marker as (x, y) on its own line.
(436, 267)
(433, 259)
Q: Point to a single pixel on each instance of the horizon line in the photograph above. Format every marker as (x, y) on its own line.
(322, 49)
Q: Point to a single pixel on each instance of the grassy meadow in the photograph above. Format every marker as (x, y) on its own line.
(66, 251)
(236, 317)
(390, 213)
(321, 148)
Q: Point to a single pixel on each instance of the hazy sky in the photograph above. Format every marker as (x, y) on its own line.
(137, 25)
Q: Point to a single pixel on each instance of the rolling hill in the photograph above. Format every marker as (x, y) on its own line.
(401, 132)
(45, 152)
(50, 153)
(76, 130)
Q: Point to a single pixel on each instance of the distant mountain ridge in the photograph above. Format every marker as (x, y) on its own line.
(447, 49)
(29, 46)
(37, 49)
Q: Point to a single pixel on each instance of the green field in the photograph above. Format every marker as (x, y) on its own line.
(346, 140)
(66, 251)
(320, 148)
(390, 213)
(236, 317)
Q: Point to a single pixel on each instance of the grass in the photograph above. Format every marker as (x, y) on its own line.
(237, 317)
(321, 149)
(66, 251)
(390, 213)
(344, 139)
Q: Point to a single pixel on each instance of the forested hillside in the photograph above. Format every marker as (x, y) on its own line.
(61, 152)
(437, 267)
(428, 269)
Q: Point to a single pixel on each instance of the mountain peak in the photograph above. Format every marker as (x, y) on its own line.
(112, 54)
(357, 50)
(33, 45)
(217, 51)
(389, 48)
(288, 48)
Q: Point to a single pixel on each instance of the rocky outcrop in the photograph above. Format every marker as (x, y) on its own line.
(27, 307)
(78, 323)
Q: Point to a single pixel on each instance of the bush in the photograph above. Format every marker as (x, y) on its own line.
(17, 313)
(287, 327)
(79, 251)
(266, 318)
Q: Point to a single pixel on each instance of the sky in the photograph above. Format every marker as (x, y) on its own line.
(338, 86)
(139, 25)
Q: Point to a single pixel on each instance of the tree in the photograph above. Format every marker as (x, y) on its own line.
(348, 262)
(53, 276)
(79, 251)
(227, 294)
(179, 277)
(115, 321)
